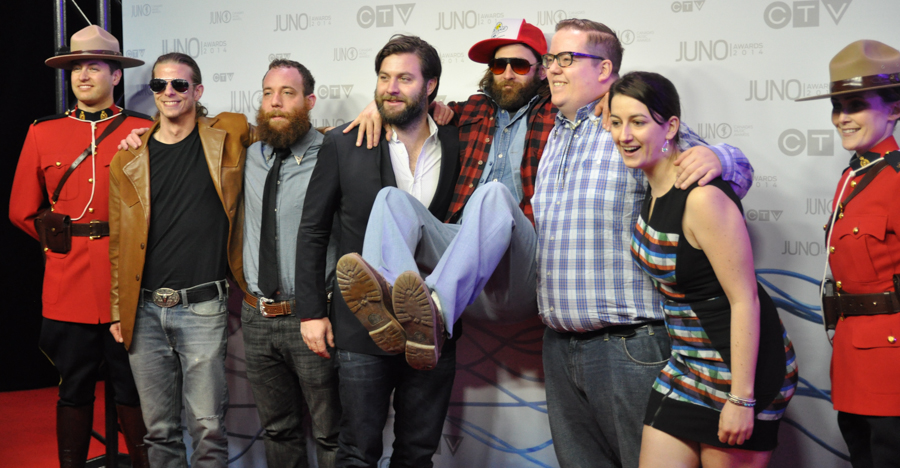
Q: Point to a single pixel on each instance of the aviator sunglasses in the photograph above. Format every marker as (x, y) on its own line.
(158, 85)
(519, 65)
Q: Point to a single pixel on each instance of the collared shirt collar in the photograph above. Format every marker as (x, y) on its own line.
(298, 149)
(432, 130)
(586, 112)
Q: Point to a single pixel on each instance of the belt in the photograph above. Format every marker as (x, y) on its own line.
(168, 297)
(623, 331)
(865, 304)
(268, 307)
(93, 229)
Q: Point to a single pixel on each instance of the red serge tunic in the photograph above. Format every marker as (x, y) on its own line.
(865, 364)
(76, 284)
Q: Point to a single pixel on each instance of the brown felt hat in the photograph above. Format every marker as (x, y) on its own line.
(863, 66)
(92, 42)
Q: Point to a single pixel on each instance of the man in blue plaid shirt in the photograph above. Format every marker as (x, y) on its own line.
(605, 342)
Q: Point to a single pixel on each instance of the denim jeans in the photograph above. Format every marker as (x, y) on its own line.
(421, 399)
(485, 265)
(180, 352)
(283, 373)
(597, 388)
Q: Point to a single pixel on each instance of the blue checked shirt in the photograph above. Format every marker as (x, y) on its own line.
(586, 202)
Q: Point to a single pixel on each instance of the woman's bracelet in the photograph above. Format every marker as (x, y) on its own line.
(745, 402)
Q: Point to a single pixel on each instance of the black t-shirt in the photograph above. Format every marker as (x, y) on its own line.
(188, 236)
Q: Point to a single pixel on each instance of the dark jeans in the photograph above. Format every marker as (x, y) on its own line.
(283, 373)
(421, 399)
(597, 387)
(874, 441)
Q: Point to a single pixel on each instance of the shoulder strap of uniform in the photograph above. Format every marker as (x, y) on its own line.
(131, 113)
(50, 117)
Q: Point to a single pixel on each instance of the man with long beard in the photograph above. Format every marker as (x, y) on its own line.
(283, 372)
(421, 162)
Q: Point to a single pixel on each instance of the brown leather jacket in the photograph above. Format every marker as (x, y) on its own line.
(224, 139)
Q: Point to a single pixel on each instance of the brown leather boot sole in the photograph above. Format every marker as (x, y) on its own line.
(420, 319)
(368, 296)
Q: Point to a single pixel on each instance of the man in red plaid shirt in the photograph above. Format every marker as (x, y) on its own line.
(483, 258)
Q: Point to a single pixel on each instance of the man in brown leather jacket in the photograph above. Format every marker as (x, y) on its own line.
(169, 262)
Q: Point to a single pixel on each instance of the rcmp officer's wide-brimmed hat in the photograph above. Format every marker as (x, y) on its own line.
(92, 42)
(862, 66)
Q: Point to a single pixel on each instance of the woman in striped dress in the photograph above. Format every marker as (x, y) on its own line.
(719, 400)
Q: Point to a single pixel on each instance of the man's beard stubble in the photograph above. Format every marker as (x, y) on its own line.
(413, 110)
(297, 126)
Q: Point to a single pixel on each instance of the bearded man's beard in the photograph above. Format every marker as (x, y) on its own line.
(409, 114)
(285, 133)
(517, 95)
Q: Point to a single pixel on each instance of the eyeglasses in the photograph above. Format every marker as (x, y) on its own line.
(158, 85)
(519, 65)
(564, 59)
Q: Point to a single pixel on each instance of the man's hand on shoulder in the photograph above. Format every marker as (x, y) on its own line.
(369, 123)
(317, 334)
(133, 140)
(697, 164)
(441, 113)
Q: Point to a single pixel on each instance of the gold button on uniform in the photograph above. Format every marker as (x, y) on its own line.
(892, 340)
(58, 164)
(841, 216)
(853, 184)
(824, 227)
(855, 230)
(832, 249)
(838, 284)
(90, 210)
(91, 181)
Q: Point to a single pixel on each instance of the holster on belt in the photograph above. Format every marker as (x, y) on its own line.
(54, 231)
(836, 306)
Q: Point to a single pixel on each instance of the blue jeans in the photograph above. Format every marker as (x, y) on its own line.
(180, 352)
(486, 265)
(283, 373)
(598, 385)
(421, 399)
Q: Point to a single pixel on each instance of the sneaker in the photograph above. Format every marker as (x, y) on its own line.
(420, 319)
(368, 296)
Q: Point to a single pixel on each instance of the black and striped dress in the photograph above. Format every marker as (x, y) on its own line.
(691, 390)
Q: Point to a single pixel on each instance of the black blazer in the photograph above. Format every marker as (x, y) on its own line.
(344, 184)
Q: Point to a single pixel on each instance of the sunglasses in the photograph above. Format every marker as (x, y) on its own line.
(519, 65)
(158, 85)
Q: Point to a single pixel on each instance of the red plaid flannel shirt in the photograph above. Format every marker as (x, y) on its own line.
(475, 119)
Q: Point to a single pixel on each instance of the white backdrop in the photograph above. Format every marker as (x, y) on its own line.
(737, 65)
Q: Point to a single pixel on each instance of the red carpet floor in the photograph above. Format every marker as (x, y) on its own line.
(28, 428)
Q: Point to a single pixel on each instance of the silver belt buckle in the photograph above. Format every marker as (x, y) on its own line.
(262, 306)
(166, 297)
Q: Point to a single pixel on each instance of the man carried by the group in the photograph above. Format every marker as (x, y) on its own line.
(422, 160)
(174, 236)
(60, 197)
(483, 260)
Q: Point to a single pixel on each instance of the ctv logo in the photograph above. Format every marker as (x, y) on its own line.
(382, 16)
(334, 91)
(792, 142)
(803, 13)
(687, 7)
(222, 77)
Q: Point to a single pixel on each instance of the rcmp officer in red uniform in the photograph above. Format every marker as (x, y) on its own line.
(67, 210)
(864, 252)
